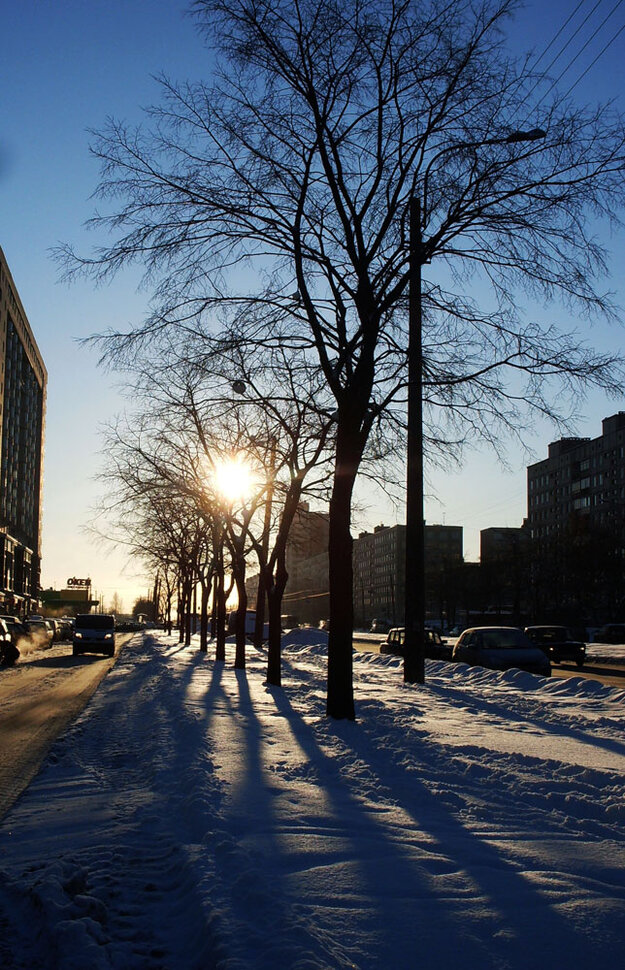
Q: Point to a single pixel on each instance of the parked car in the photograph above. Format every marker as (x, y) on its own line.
(610, 633)
(8, 650)
(94, 633)
(128, 626)
(16, 628)
(435, 647)
(55, 626)
(66, 625)
(500, 648)
(380, 625)
(558, 643)
(40, 630)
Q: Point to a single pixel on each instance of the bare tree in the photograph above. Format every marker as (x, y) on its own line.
(324, 119)
(279, 418)
(116, 605)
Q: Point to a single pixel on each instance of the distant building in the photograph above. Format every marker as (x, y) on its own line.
(379, 564)
(503, 574)
(75, 598)
(379, 569)
(23, 380)
(581, 477)
(500, 544)
(307, 591)
(576, 523)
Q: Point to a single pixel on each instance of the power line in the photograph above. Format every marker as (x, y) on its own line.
(557, 34)
(554, 39)
(573, 35)
(582, 49)
(592, 63)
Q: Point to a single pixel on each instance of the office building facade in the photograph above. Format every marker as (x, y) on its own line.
(23, 382)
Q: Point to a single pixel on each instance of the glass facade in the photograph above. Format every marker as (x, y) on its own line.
(23, 380)
(21, 443)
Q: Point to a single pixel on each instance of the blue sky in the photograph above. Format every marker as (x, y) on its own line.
(65, 66)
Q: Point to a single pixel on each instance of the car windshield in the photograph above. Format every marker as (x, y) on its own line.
(503, 639)
(98, 621)
(548, 634)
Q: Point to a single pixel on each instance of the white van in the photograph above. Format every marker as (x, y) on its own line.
(94, 633)
(250, 624)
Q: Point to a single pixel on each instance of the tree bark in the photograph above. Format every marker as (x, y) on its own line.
(275, 592)
(220, 634)
(340, 697)
(187, 615)
(206, 585)
(238, 567)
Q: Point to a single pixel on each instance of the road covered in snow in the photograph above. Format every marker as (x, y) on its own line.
(193, 817)
(39, 698)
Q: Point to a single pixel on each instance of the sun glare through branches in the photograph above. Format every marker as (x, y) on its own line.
(234, 479)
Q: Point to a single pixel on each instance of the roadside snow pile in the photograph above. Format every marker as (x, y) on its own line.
(306, 637)
(605, 652)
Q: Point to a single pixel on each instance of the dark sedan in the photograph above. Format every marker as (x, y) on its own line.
(557, 643)
(435, 647)
(611, 633)
(501, 648)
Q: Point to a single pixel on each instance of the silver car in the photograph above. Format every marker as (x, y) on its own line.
(500, 648)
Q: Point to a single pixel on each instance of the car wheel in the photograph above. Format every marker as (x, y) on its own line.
(75, 652)
(580, 663)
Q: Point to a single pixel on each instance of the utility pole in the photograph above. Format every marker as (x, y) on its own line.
(414, 595)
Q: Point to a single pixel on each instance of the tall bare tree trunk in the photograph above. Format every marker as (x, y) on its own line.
(220, 633)
(275, 592)
(187, 615)
(238, 569)
(206, 586)
(340, 698)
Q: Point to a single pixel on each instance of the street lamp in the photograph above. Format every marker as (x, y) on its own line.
(414, 576)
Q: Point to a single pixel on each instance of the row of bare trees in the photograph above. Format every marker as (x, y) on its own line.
(163, 497)
(268, 204)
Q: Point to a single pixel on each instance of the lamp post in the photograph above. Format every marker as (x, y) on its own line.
(414, 581)
(414, 577)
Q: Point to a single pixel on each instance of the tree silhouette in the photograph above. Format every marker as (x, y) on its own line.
(272, 202)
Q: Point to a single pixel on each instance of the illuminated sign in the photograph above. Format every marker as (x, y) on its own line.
(78, 582)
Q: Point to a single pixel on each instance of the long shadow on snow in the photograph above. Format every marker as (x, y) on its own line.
(504, 931)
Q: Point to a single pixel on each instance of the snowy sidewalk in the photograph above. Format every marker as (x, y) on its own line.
(194, 818)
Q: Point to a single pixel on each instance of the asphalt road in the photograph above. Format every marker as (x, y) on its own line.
(39, 697)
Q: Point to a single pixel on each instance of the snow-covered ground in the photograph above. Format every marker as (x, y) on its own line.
(192, 817)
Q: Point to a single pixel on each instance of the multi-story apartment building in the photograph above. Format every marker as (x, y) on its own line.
(23, 380)
(379, 568)
(502, 588)
(379, 564)
(576, 523)
(306, 595)
(580, 477)
(500, 544)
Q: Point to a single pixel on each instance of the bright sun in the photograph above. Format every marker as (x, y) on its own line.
(234, 479)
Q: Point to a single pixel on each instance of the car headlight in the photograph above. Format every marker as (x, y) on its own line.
(78, 636)
(107, 636)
